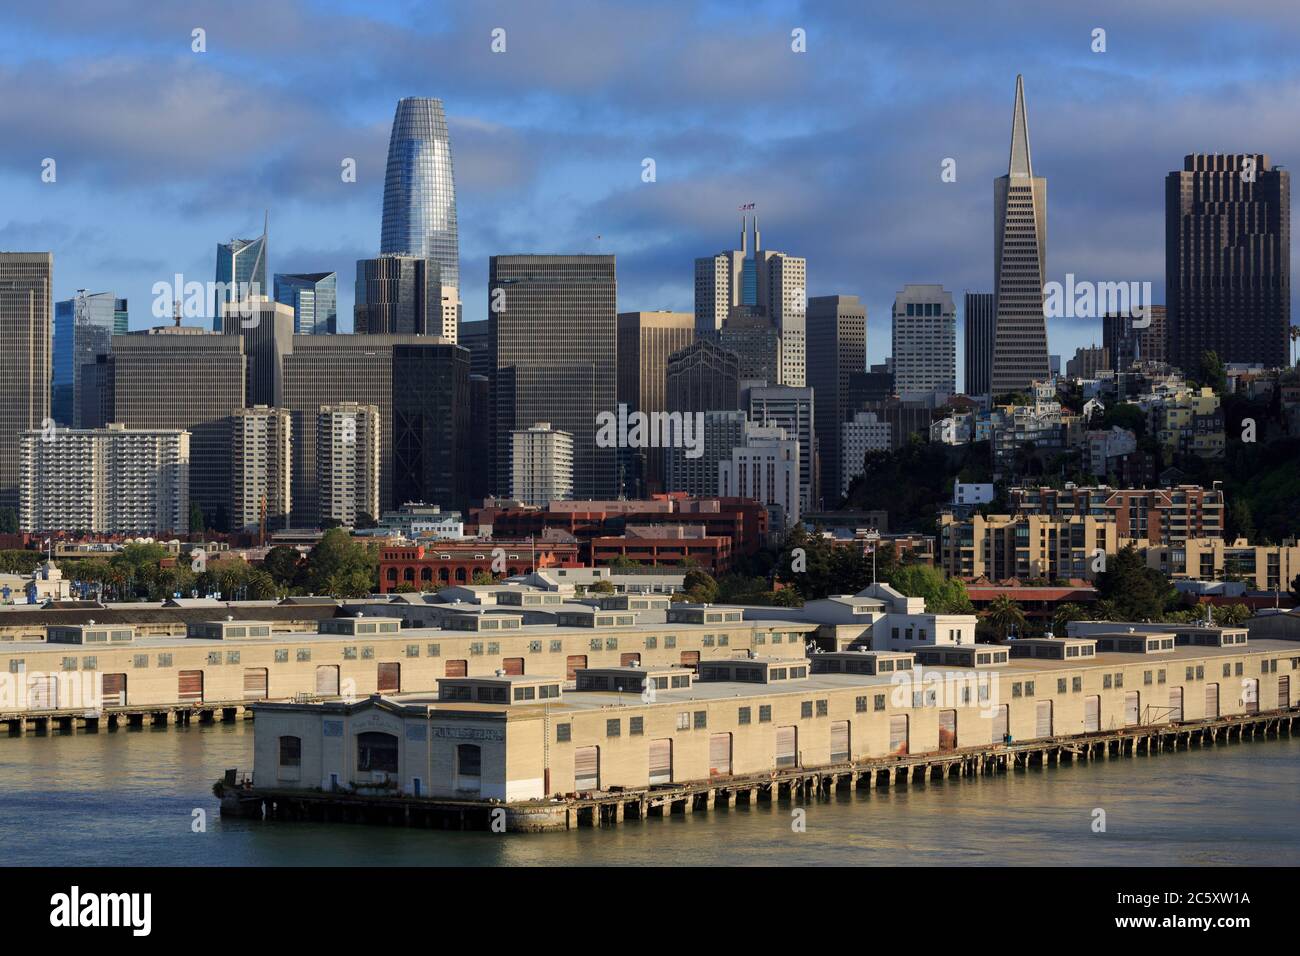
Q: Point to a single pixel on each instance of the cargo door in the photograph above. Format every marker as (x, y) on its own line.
(189, 687)
(787, 744)
(390, 677)
(1091, 714)
(840, 737)
(720, 755)
(661, 761)
(947, 730)
(113, 690)
(1043, 719)
(898, 734)
(255, 683)
(586, 769)
(327, 680)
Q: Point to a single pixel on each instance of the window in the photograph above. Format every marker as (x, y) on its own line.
(349, 653)
(764, 713)
(879, 702)
(860, 705)
(90, 663)
(701, 719)
(1239, 667)
(214, 657)
(1190, 673)
(1200, 672)
(670, 641)
(1060, 685)
(563, 733)
(635, 726)
(611, 644)
(1160, 677)
(684, 720)
(743, 715)
(1227, 670)
(1016, 689)
(1029, 688)
(377, 751)
(304, 654)
(435, 650)
(232, 657)
(1106, 681)
(595, 644)
(1146, 677)
(822, 708)
(614, 728)
(1076, 684)
(165, 660)
(139, 660)
(651, 643)
(412, 650)
(805, 709)
(290, 751)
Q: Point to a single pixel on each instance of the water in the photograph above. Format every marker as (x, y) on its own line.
(129, 796)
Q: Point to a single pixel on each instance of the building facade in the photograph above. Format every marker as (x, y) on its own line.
(1131, 339)
(313, 296)
(979, 322)
(766, 468)
(261, 487)
(646, 340)
(865, 433)
(924, 341)
(105, 481)
(84, 327)
(541, 467)
(241, 273)
(26, 313)
(837, 348)
(399, 295)
(347, 462)
(1228, 260)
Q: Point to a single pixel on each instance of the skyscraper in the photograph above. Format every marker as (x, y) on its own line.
(645, 341)
(554, 338)
(924, 341)
(84, 327)
(420, 199)
(185, 378)
(26, 307)
(267, 330)
(398, 295)
(980, 320)
(1228, 260)
(837, 348)
(792, 410)
(313, 296)
(702, 377)
(241, 272)
(430, 424)
(1020, 254)
(541, 469)
(756, 283)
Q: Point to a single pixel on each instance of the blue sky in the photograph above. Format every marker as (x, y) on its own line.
(163, 152)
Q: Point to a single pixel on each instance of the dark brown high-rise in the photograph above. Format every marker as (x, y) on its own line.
(1227, 260)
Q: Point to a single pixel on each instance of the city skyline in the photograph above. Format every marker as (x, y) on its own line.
(1133, 112)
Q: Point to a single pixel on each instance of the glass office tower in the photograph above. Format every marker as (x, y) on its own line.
(420, 189)
(313, 296)
(241, 263)
(83, 329)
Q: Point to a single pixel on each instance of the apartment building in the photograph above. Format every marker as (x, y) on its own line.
(1026, 545)
(1157, 515)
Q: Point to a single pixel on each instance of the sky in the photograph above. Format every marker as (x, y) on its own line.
(161, 152)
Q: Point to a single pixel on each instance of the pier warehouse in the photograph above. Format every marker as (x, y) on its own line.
(510, 738)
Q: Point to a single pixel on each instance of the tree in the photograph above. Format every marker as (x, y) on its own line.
(339, 566)
(943, 595)
(481, 578)
(1135, 591)
(1003, 614)
(700, 586)
(283, 563)
(197, 524)
(1241, 521)
(8, 521)
(1295, 589)
(1212, 373)
(1066, 613)
(602, 587)
(622, 561)
(1231, 615)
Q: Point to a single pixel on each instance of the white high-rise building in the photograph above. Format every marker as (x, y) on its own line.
(924, 342)
(260, 467)
(110, 480)
(541, 464)
(865, 433)
(792, 409)
(765, 468)
(347, 462)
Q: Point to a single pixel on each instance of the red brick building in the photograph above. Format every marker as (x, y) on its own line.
(665, 545)
(456, 562)
(1159, 515)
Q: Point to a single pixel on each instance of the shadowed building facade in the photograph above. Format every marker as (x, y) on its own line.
(837, 348)
(26, 313)
(1228, 260)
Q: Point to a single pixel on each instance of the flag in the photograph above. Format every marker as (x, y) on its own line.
(748, 205)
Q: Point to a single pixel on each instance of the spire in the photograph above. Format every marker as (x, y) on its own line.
(1020, 166)
(744, 235)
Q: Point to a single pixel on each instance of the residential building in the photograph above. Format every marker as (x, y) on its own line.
(1228, 260)
(1156, 515)
(313, 296)
(1192, 423)
(924, 341)
(1088, 362)
(1020, 216)
(837, 349)
(26, 307)
(347, 462)
(105, 481)
(541, 467)
(1260, 567)
(261, 490)
(1027, 546)
(419, 218)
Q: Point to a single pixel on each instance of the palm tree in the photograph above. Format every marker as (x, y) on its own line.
(1295, 337)
(1003, 614)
